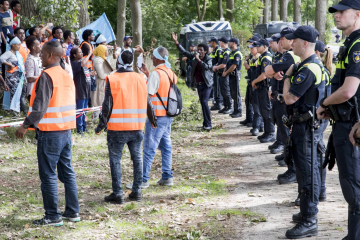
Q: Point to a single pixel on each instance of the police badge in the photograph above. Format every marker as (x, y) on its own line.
(356, 57)
(300, 78)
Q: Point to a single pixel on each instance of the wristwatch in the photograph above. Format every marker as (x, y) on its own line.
(25, 126)
(322, 103)
(286, 76)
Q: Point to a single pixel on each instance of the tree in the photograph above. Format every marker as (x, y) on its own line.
(220, 8)
(121, 21)
(229, 10)
(28, 8)
(274, 10)
(201, 14)
(84, 18)
(320, 18)
(266, 11)
(283, 10)
(297, 11)
(136, 23)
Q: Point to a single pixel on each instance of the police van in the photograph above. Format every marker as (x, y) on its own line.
(201, 32)
(268, 29)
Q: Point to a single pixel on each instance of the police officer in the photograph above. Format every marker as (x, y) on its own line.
(262, 84)
(276, 71)
(303, 89)
(224, 81)
(189, 66)
(233, 68)
(345, 92)
(215, 55)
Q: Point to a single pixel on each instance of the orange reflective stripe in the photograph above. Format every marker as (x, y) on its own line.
(89, 64)
(60, 114)
(129, 95)
(163, 90)
(24, 52)
(14, 69)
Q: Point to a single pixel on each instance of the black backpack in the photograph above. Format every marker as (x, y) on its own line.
(174, 103)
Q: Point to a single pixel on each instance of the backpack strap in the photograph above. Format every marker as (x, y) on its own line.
(157, 94)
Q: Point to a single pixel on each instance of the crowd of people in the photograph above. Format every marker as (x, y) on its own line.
(290, 85)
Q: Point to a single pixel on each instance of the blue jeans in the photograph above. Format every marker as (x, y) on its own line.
(158, 138)
(116, 142)
(204, 94)
(54, 150)
(80, 117)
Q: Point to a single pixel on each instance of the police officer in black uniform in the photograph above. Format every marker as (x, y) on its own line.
(189, 66)
(215, 55)
(249, 108)
(303, 89)
(262, 84)
(342, 106)
(233, 68)
(224, 81)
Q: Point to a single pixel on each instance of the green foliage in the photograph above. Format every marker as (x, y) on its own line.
(59, 12)
(247, 12)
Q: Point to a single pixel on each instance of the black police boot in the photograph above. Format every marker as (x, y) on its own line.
(261, 136)
(249, 124)
(306, 228)
(289, 178)
(279, 157)
(255, 131)
(282, 163)
(277, 150)
(236, 115)
(261, 129)
(244, 122)
(268, 138)
(282, 174)
(216, 107)
(274, 145)
(297, 201)
(223, 110)
(228, 111)
(297, 217)
(322, 197)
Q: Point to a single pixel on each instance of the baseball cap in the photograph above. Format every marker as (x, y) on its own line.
(273, 38)
(234, 40)
(127, 37)
(253, 39)
(306, 33)
(214, 39)
(344, 5)
(251, 46)
(286, 30)
(224, 40)
(257, 35)
(192, 45)
(320, 46)
(261, 42)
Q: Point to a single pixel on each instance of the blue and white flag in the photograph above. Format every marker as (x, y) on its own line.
(100, 26)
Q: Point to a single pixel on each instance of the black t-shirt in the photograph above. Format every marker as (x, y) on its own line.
(237, 59)
(225, 57)
(284, 63)
(82, 80)
(265, 61)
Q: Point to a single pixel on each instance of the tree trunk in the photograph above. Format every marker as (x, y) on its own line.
(201, 14)
(297, 11)
(229, 10)
(84, 18)
(261, 18)
(320, 19)
(28, 9)
(121, 20)
(136, 24)
(283, 10)
(274, 10)
(220, 9)
(266, 11)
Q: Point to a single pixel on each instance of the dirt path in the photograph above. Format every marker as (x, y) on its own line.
(256, 188)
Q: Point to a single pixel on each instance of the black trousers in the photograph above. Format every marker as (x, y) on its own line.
(235, 92)
(217, 93)
(204, 94)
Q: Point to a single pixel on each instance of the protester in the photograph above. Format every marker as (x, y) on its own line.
(5, 23)
(127, 47)
(54, 89)
(125, 98)
(188, 62)
(33, 65)
(201, 75)
(88, 49)
(69, 40)
(20, 33)
(65, 61)
(15, 78)
(76, 42)
(82, 84)
(100, 40)
(102, 68)
(57, 34)
(15, 7)
(159, 82)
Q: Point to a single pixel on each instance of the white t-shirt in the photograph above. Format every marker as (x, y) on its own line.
(33, 68)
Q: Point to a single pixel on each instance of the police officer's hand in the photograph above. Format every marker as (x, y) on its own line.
(290, 70)
(213, 69)
(355, 133)
(224, 74)
(20, 132)
(254, 85)
(321, 113)
(174, 37)
(279, 76)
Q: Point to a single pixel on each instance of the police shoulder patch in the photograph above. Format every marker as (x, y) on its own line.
(283, 59)
(299, 78)
(356, 56)
(237, 59)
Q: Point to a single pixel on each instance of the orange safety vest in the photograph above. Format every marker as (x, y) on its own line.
(24, 52)
(129, 94)
(61, 112)
(163, 90)
(89, 64)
